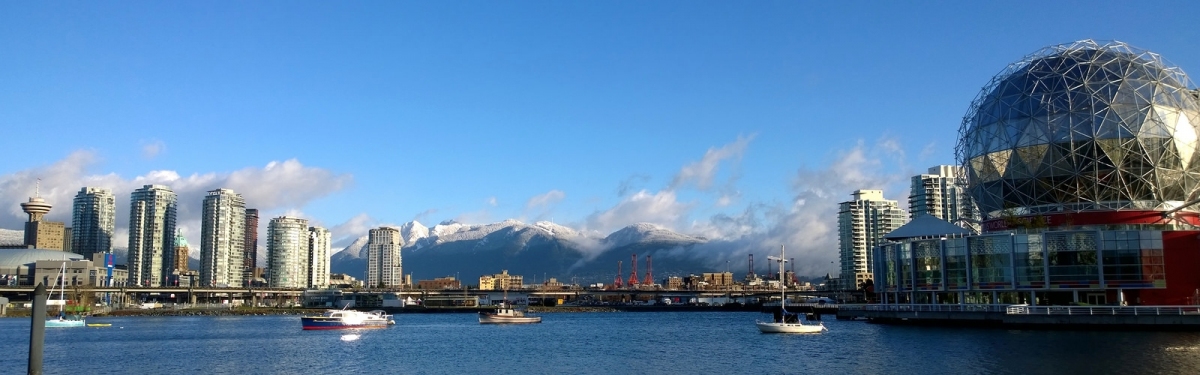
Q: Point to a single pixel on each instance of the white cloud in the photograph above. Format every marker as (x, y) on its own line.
(549, 198)
(345, 233)
(807, 224)
(701, 173)
(152, 148)
(277, 187)
(660, 208)
(491, 201)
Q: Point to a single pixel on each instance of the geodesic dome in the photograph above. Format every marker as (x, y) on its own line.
(1082, 126)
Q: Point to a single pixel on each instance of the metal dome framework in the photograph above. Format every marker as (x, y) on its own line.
(1079, 127)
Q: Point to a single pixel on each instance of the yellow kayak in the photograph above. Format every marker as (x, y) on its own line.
(99, 325)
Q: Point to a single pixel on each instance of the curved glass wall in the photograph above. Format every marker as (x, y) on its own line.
(1000, 267)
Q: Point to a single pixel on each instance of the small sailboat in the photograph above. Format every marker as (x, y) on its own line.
(63, 320)
(785, 322)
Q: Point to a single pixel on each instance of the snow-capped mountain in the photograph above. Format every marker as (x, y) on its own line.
(543, 249)
(646, 232)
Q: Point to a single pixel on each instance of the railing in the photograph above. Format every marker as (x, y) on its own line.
(1102, 310)
(929, 307)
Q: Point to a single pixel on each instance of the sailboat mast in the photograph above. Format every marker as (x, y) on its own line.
(782, 294)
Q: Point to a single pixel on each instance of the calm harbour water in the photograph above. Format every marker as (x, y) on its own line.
(585, 343)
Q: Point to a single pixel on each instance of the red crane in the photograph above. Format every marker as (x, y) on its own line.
(633, 281)
(617, 282)
(649, 280)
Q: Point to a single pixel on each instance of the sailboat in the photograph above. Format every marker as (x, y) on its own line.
(785, 322)
(63, 320)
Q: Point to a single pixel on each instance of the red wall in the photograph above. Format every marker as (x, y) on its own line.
(1099, 217)
(1181, 255)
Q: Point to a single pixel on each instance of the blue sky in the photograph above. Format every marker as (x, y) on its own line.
(712, 118)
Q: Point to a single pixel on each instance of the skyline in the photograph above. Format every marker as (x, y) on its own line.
(742, 123)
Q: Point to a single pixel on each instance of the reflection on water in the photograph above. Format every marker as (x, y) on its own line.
(586, 343)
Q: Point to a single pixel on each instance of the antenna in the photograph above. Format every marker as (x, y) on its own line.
(37, 189)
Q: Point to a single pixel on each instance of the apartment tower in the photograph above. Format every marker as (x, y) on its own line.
(93, 220)
(318, 261)
(942, 193)
(862, 223)
(222, 239)
(287, 252)
(250, 257)
(383, 258)
(151, 235)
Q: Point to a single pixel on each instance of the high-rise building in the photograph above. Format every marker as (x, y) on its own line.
(318, 261)
(222, 239)
(250, 257)
(151, 235)
(862, 223)
(93, 220)
(383, 258)
(287, 252)
(942, 193)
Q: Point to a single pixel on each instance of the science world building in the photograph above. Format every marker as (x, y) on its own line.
(1084, 162)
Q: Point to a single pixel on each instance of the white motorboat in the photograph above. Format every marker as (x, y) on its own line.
(785, 322)
(347, 319)
(505, 314)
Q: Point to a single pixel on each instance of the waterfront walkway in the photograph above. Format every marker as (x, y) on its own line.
(1025, 316)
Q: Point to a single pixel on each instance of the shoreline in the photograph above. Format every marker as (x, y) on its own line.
(262, 311)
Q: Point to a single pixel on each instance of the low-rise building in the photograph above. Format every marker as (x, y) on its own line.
(447, 282)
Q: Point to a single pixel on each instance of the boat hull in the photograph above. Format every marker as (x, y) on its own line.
(323, 323)
(789, 328)
(490, 318)
(66, 323)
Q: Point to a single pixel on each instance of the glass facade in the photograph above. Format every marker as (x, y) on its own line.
(991, 261)
(1001, 267)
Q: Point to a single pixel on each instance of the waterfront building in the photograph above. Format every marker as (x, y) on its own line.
(250, 257)
(41, 234)
(1083, 161)
(439, 283)
(674, 283)
(319, 243)
(942, 193)
(344, 281)
(79, 272)
(501, 281)
(222, 239)
(287, 252)
(383, 258)
(862, 222)
(93, 220)
(151, 235)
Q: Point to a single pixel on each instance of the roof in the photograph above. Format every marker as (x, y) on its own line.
(10, 258)
(925, 226)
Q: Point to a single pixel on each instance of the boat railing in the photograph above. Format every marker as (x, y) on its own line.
(1102, 310)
